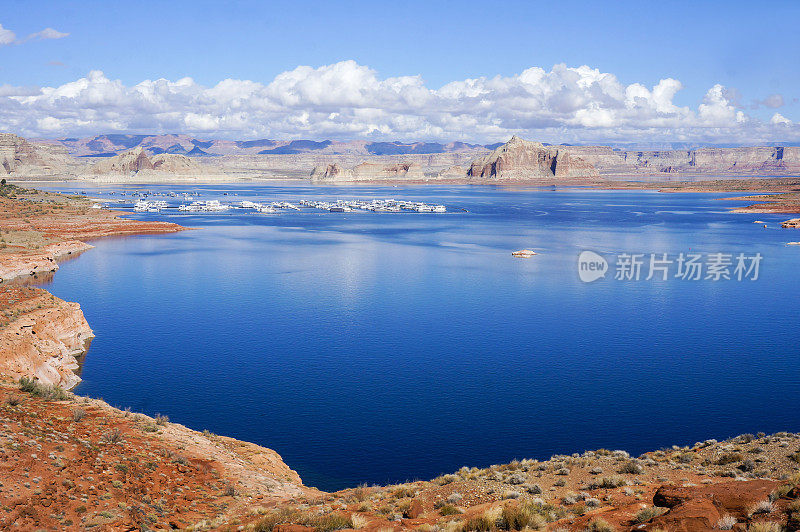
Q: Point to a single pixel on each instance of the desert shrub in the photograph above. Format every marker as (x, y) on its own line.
(646, 514)
(685, 458)
(448, 509)
(613, 481)
(444, 479)
(516, 479)
(161, 420)
(454, 498)
(729, 458)
(630, 468)
(726, 522)
(113, 436)
(13, 400)
(48, 392)
(78, 414)
(747, 466)
(533, 489)
(360, 493)
(596, 470)
(403, 491)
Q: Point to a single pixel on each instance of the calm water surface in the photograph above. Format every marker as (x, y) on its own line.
(379, 347)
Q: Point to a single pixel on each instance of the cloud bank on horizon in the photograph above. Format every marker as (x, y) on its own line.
(347, 101)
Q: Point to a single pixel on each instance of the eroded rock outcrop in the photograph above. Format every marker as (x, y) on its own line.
(21, 157)
(44, 339)
(368, 172)
(523, 159)
(137, 160)
(43, 261)
(330, 172)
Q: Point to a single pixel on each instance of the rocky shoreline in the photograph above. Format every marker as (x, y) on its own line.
(41, 335)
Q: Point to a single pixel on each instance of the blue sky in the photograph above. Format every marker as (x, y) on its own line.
(751, 50)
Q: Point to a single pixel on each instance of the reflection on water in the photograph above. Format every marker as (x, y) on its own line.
(371, 347)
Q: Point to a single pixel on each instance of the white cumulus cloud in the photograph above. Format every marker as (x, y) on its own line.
(347, 100)
(780, 120)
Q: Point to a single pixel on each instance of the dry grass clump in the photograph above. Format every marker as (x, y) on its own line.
(765, 526)
(762, 507)
(402, 492)
(323, 523)
(480, 523)
(78, 414)
(358, 521)
(599, 525)
(614, 481)
(360, 493)
(646, 514)
(726, 522)
(445, 479)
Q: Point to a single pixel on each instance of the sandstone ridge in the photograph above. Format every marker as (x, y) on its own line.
(137, 160)
(368, 172)
(523, 159)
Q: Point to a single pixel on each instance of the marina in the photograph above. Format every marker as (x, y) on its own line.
(145, 204)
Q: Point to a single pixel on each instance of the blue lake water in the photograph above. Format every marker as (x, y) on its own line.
(382, 347)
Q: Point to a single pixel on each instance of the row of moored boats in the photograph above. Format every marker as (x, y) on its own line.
(376, 205)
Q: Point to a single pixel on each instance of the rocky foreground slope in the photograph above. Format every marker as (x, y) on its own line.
(73, 463)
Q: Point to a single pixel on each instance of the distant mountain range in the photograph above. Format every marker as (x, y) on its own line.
(114, 144)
